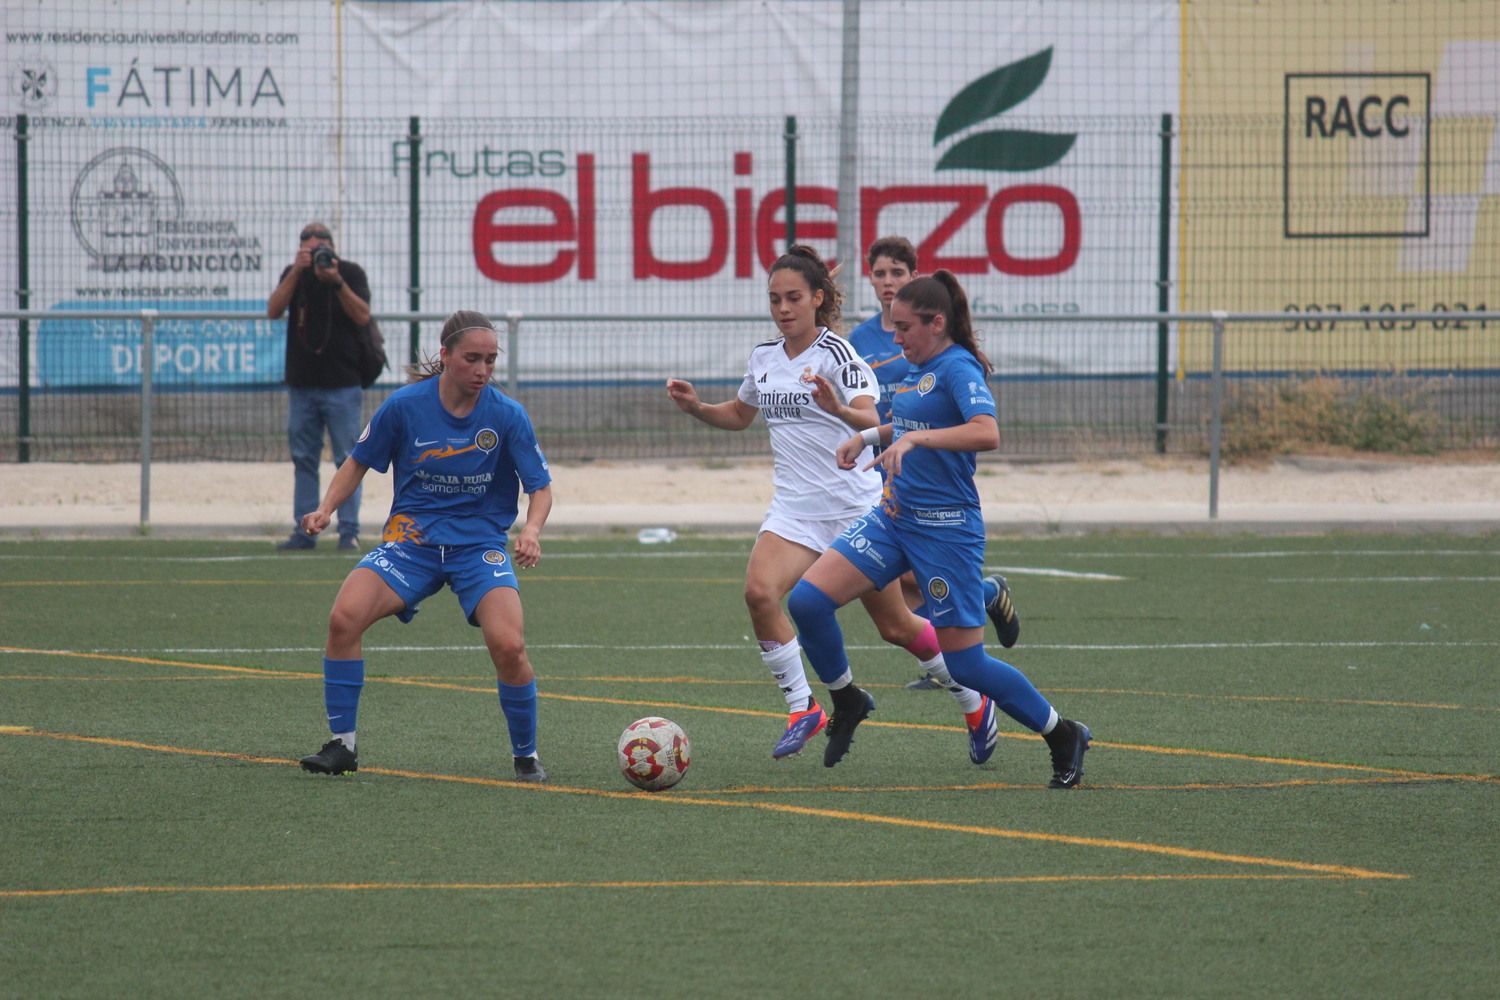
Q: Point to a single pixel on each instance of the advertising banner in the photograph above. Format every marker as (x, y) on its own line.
(1355, 169)
(575, 157)
(141, 119)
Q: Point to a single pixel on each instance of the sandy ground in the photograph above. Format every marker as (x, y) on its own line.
(254, 500)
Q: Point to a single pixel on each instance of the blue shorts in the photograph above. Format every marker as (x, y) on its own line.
(416, 572)
(947, 560)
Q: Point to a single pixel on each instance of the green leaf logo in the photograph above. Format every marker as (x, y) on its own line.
(1014, 150)
(1011, 150)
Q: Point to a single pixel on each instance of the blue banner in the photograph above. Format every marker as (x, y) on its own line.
(185, 352)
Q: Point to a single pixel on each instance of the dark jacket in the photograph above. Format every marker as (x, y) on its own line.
(321, 351)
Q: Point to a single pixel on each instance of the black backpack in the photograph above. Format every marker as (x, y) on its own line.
(372, 359)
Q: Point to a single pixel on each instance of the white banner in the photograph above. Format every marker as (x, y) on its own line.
(640, 168)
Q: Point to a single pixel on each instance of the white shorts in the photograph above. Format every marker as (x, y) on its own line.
(814, 535)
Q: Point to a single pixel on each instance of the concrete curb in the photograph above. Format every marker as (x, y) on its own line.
(585, 527)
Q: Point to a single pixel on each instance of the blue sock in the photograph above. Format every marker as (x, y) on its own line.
(818, 630)
(518, 702)
(342, 682)
(991, 590)
(1015, 695)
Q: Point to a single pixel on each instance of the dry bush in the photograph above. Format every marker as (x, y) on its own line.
(1306, 414)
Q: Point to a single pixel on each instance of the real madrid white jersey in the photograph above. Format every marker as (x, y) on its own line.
(808, 482)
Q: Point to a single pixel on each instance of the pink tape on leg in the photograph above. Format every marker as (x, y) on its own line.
(925, 646)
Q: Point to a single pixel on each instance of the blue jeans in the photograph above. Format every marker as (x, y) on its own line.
(309, 412)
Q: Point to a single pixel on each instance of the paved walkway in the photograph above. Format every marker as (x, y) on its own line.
(244, 500)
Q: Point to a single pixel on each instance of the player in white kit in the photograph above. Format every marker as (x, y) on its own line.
(814, 500)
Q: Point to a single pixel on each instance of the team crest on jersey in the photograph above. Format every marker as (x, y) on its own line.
(486, 440)
(925, 385)
(806, 376)
(494, 557)
(938, 588)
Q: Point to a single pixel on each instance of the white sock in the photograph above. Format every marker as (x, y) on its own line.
(968, 700)
(785, 664)
(1052, 718)
(346, 738)
(842, 681)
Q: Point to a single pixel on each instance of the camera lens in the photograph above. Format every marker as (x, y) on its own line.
(322, 257)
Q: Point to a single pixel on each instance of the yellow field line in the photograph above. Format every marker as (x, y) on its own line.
(150, 662)
(167, 583)
(773, 807)
(915, 883)
(992, 786)
(1293, 762)
(139, 679)
(755, 713)
(1279, 699)
(737, 682)
(724, 580)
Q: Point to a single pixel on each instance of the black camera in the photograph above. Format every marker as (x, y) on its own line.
(323, 257)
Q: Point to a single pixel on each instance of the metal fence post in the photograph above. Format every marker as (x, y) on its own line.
(414, 236)
(1216, 425)
(848, 199)
(148, 364)
(1163, 281)
(790, 138)
(512, 350)
(23, 294)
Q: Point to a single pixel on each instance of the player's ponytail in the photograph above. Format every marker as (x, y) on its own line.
(456, 326)
(805, 261)
(940, 292)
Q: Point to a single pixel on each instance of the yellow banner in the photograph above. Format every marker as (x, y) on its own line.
(1341, 157)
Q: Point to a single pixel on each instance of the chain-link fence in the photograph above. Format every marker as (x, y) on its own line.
(618, 409)
(585, 162)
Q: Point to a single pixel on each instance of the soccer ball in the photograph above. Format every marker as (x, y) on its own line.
(654, 753)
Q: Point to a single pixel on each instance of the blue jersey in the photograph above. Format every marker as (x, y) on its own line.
(878, 347)
(936, 487)
(456, 479)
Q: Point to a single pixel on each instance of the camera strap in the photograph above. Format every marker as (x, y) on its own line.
(303, 333)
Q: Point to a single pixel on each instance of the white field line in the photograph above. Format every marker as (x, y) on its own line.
(1067, 574)
(1384, 579)
(1279, 554)
(748, 644)
(550, 556)
(660, 553)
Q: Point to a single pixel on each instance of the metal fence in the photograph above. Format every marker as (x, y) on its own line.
(595, 392)
(610, 169)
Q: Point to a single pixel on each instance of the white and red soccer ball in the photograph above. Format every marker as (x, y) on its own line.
(654, 753)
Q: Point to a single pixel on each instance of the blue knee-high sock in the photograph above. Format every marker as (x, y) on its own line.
(342, 682)
(518, 702)
(818, 630)
(1016, 696)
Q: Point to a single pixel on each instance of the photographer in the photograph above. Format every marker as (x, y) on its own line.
(326, 301)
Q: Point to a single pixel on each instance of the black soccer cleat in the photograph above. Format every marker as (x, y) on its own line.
(1003, 613)
(1068, 741)
(530, 769)
(858, 704)
(334, 758)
